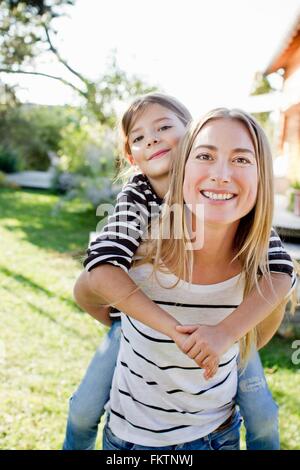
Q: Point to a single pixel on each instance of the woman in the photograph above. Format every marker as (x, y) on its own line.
(159, 399)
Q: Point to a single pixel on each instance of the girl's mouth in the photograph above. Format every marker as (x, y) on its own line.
(159, 154)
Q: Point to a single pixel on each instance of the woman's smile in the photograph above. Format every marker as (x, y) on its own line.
(217, 196)
(221, 172)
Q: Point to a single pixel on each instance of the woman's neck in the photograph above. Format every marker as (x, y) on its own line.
(213, 262)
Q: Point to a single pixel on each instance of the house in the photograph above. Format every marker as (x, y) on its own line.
(287, 61)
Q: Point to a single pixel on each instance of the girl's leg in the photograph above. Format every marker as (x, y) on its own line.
(87, 404)
(259, 410)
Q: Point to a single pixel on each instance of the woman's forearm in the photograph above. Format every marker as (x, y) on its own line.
(111, 285)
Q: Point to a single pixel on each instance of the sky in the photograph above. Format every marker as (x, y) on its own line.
(204, 52)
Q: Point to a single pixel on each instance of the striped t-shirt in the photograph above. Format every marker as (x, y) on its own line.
(136, 206)
(159, 396)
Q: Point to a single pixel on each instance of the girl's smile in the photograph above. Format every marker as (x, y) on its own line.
(155, 133)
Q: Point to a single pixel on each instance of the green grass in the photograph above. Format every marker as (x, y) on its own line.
(46, 342)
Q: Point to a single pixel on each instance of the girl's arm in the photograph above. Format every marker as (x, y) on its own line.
(85, 301)
(208, 343)
(107, 284)
(104, 282)
(268, 327)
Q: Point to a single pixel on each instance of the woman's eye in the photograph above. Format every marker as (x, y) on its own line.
(137, 139)
(164, 128)
(242, 160)
(203, 156)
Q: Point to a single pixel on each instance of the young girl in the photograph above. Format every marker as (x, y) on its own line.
(159, 400)
(153, 126)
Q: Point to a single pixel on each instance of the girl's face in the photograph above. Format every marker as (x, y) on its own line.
(221, 172)
(154, 135)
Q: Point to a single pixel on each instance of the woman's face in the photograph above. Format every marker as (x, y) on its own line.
(155, 133)
(221, 172)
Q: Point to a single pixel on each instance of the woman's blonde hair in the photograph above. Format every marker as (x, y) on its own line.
(130, 116)
(253, 233)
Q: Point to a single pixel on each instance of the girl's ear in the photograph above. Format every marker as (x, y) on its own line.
(130, 158)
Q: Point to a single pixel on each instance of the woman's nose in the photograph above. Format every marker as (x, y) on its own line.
(222, 179)
(220, 175)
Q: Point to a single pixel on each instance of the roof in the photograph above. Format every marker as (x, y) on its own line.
(288, 46)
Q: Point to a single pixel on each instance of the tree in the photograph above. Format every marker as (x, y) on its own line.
(27, 32)
(261, 86)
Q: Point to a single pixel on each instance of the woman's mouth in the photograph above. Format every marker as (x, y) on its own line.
(217, 196)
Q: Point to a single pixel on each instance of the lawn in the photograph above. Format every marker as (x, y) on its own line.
(46, 342)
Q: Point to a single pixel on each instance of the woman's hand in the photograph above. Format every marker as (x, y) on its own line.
(205, 345)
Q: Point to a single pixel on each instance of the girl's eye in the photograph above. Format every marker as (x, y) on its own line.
(164, 128)
(203, 156)
(242, 160)
(137, 139)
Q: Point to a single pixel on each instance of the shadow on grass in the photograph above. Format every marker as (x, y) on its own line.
(66, 231)
(61, 324)
(278, 355)
(25, 281)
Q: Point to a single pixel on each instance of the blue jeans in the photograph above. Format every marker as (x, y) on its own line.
(87, 404)
(226, 439)
(259, 410)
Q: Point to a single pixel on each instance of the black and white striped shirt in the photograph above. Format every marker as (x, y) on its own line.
(159, 396)
(136, 205)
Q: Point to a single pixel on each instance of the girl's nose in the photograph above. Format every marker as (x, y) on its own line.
(152, 140)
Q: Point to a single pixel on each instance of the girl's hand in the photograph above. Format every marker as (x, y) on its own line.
(205, 345)
(210, 364)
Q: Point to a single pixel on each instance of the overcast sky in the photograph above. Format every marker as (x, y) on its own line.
(204, 52)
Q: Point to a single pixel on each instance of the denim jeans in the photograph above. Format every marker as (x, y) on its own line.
(87, 404)
(226, 439)
(259, 410)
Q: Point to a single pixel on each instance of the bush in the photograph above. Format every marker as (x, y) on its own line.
(9, 161)
(4, 183)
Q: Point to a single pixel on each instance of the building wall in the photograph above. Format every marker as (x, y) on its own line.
(290, 143)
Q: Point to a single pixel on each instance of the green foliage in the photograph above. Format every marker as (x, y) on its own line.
(22, 33)
(296, 185)
(261, 85)
(9, 161)
(27, 32)
(87, 162)
(31, 132)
